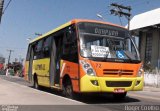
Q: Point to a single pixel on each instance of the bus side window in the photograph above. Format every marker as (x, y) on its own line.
(38, 50)
(28, 52)
(34, 46)
(46, 47)
(70, 50)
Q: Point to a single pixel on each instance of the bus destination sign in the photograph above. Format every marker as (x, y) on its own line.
(102, 29)
(106, 32)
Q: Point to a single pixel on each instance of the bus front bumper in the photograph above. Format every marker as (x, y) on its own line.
(110, 84)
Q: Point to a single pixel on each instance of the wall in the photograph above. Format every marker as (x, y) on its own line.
(155, 46)
(142, 46)
(152, 79)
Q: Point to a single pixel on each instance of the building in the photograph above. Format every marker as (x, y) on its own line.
(147, 27)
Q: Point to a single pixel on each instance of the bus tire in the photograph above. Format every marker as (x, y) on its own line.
(68, 90)
(119, 95)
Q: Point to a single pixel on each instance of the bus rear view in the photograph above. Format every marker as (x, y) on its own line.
(109, 60)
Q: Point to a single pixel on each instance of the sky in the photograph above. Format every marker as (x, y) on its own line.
(23, 18)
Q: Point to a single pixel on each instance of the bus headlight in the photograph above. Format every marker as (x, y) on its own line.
(88, 68)
(141, 71)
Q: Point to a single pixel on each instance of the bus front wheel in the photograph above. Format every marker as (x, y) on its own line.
(68, 90)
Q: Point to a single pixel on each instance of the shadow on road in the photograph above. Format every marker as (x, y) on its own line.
(95, 98)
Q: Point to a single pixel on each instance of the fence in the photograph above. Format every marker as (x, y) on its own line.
(2, 72)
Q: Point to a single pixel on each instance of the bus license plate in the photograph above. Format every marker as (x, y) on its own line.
(119, 90)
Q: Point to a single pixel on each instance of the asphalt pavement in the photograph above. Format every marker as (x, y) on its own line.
(17, 91)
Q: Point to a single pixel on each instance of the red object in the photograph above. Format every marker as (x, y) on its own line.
(1, 66)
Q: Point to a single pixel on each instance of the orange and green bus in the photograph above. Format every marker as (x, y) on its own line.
(85, 56)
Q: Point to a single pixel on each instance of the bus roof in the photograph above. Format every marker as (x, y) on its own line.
(74, 21)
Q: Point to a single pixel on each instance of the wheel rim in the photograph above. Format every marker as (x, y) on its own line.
(68, 91)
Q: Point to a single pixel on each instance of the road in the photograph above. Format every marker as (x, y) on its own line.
(16, 91)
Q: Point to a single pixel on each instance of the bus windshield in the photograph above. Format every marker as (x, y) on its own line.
(105, 42)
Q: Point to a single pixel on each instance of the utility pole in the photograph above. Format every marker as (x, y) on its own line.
(121, 10)
(10, 51)
(1, 9)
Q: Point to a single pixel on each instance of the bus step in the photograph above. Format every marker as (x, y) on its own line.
(56, 87)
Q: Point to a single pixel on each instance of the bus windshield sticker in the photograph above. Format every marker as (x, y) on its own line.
(120, 54)
(100, 51)
(102, 29)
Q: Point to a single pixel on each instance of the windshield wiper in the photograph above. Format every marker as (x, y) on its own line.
(127, 55)
(129, 58)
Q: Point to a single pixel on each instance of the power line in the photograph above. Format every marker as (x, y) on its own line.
(120, 20)
(15, 48)
(135, 3)
(120, 10)
(123, 2)
(6, 6)
(139, 3)
(1, 9)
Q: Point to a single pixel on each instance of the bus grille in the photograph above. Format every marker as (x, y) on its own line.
(117, 72)
(118, 83)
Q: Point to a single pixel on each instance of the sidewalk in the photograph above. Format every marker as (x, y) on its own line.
(152, 89)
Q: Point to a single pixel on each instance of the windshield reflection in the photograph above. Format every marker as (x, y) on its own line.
(102, 46)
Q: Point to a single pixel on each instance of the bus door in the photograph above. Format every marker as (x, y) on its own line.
(30, 63)
(55, 60)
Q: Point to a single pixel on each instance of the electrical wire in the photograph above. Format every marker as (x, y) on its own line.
(15, 48)
(120, 20)
(7, 6)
